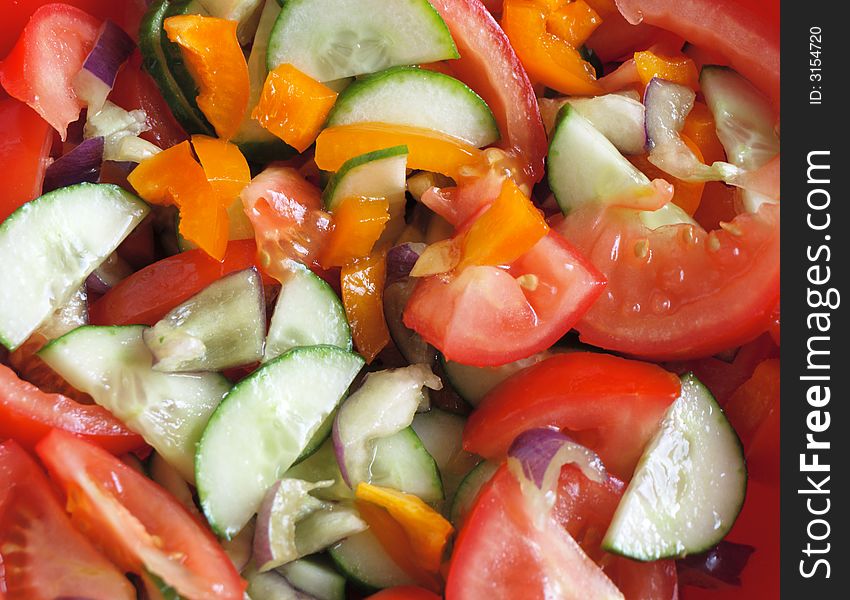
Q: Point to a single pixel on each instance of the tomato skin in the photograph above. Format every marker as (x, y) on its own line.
(676, 292)
(147, 295)
(27, 414)
(42, 554)
(138, 523)
(747, 33)
(40, 68)
(467, 315)
(404, 593)
(24, 154)
(489, 65)
(610, 404)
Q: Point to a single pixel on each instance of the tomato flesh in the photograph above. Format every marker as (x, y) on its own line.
(483, 316)
(43, 556)
(610, 404)
(676, 292)
(24, 154)
(138, 523)
(41, 66)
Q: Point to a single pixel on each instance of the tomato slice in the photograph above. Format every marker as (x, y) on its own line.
(24, 154)
(27, 414)
(41, 66)
(676, 292)
(483, 316)
(139, 525)
(42, 554)
(145, 296)
(405, 592)
(489, 65)
(610, 404)
(501, 553)
(747, 33)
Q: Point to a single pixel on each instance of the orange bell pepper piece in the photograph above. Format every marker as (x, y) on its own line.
(428, 150)
(573, 22)
(362, 286)
(702, 130)
(547, 58)
(293, 106)
(224, 166)
(687, 195)
(357, 224)
(678, 69)
(509, 228)
(426, 529)
(174, 177)
(215, 60)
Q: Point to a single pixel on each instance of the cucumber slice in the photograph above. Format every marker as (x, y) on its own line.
(378, 174)
(271, 586)
(442, 435)
(222, 326)
(363, 560)
(263, 425)
(401, 462)
(113, 366)
(473, 383)
(418, 98)
(584, 166)
(688, 487)
(50, 245)
(244, 12)
(316, 576)
(468, 490)
(332, 39)
(307, 313)
(257, 143)
(162, 59)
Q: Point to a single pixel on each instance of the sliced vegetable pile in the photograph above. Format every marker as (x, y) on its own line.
(318, 299)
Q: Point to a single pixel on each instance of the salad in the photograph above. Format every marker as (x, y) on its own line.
(407, 300)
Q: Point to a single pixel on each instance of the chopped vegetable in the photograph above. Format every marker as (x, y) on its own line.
(362, 284)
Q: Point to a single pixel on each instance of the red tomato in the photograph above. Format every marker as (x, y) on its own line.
(50, 51)
(616, 38)
(489, 65)
(747, 33)
(505, 551)
(676, 292)
(404, 593)
(138, 524)
(44, 557)
(24, 154)
(27, 414)
(145, 296)
(134, 89)
(126, 13)
(610, 404)
(482, 316)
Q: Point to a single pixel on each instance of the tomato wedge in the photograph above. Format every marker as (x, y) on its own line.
(139, 525)
(145, 296)
(42, 554)
(50, 51)
(501, 553)
(747, 33)
(612, 405)
(27, 414)
(489, 65)
(24, 154)
(677, 292)
(405, 592)
(482, 316)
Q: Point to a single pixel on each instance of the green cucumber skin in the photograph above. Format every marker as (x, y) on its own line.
(479, 128)
(41, 209)
(161, 58)
(352, 163)
(384, 572)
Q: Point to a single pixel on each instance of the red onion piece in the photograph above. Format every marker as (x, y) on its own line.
(95, 80)
(110, 272)
(667, 105)
(400, 260)
(540, 453)
(721, 566)
(79, 165)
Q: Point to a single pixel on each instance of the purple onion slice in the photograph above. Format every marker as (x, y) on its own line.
(109, 274)
(400, 260)
(82, 164)
(719, 567)
(95, 80)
